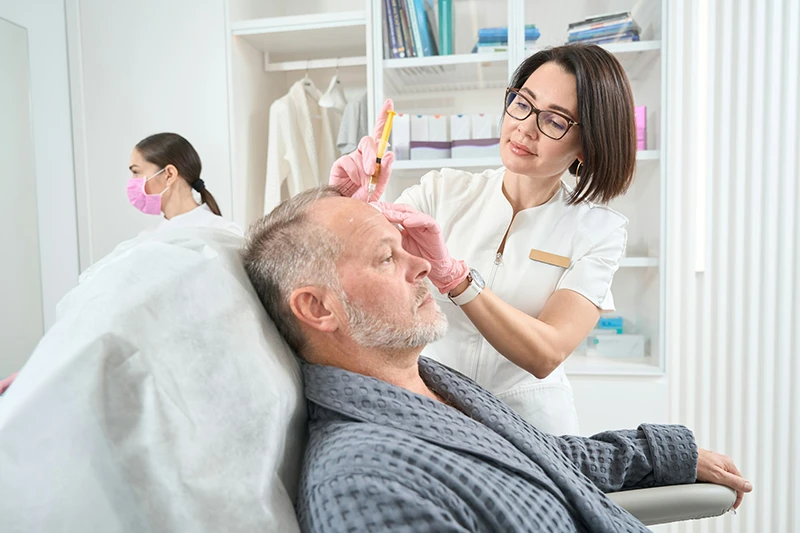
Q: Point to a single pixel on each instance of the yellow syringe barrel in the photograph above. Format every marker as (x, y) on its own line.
(387, 129)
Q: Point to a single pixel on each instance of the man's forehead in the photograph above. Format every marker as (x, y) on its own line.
(352, 221)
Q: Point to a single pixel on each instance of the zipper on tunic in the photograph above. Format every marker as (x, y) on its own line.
(498, 260)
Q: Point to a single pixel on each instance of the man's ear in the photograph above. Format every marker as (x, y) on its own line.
(312, 306)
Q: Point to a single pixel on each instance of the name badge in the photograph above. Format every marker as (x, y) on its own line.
(549, 259)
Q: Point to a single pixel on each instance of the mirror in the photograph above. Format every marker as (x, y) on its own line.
(21, 314)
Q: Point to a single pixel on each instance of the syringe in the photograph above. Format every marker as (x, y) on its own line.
(387, 129)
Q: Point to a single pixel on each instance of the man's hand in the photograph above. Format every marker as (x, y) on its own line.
(716, 468)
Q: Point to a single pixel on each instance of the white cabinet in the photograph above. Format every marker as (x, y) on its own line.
(275, 45)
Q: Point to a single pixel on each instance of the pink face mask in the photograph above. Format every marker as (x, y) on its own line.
(149, 204)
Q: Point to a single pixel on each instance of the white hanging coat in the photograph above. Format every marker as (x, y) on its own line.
(302, 144)
(474, 215)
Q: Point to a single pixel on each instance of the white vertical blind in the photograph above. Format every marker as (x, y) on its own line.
(732, 329)
(733, 326)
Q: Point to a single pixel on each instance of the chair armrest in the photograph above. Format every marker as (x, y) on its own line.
(675, 503)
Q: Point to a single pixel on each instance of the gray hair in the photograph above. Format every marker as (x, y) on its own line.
(285, 250)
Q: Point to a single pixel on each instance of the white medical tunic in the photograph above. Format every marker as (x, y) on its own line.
(200, 217)
(474, 215)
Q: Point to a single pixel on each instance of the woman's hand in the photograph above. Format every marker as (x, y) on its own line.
(716, 468)
(352, 173)
(422, 237)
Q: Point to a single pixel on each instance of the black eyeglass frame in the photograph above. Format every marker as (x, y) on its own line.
(534, 109)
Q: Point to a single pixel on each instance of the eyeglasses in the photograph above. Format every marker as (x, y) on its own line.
(553, 124)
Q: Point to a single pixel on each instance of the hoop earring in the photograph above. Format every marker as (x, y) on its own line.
(578, 170)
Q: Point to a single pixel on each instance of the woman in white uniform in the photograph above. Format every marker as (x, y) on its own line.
(525, 262)
(165, 169)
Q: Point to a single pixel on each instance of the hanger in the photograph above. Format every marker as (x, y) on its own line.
(334, 95)
(308, 85)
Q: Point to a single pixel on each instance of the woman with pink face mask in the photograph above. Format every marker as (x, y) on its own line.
(165, 169)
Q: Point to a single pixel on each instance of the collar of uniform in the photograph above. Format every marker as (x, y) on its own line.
(481, 425)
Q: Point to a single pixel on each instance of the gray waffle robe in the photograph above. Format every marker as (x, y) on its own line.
(383, 459)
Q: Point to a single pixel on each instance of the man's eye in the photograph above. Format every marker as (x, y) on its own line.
(388, 259)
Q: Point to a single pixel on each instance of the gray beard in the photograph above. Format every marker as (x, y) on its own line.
(376, 332)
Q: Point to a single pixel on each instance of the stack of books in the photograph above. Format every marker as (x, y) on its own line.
(409, 29)
(496, 39)
(611, 28)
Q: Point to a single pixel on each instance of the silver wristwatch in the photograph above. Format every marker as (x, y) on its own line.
(475, 287)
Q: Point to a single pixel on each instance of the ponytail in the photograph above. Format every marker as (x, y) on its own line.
(208, 199)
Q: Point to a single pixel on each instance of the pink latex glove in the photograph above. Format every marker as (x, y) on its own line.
(352, 173)
(6, 383)
(422, 237)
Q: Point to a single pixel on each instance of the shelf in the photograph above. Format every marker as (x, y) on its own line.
(635, 57)
(312, 64)
(446, 73)
(579, 364)
(306, 37)
(453, 59)
(429, 164)
(496, 162)
(639, 262)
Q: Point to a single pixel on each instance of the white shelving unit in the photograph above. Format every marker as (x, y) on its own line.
(274, 44)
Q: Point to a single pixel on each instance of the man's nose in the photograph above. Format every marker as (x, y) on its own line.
(418, 268)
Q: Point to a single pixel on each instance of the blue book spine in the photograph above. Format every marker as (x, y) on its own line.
(424, 29)
(398, 47)
(501, 34)
(625, 37)
(445, 27)
(602, 32)
(408, 38)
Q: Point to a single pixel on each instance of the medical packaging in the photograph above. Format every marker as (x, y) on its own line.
(438, 128)
(401, 136)
(640, 114)
(476, 148)
(623, 345)
(419, 128)
(483, 126)
(610, 321)
(460, 127)
(426, 150)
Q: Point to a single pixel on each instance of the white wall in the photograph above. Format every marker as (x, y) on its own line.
(52, 144)
(21, 319)
(139, 68)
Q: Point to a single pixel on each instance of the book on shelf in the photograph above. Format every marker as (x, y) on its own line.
(482, 48)
(409, 29)
(628, 37)
(605, 31)
(494, 35)
(614, 27)
(599, 20)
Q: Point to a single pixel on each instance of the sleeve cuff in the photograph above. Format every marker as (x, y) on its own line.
(673, 451)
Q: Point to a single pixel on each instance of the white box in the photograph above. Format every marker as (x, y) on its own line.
(483, 126)
(623, 345)
(460, 128)
(428, 150)
(419, 128)
(438, 130)
(401, 136)
(475, 148)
